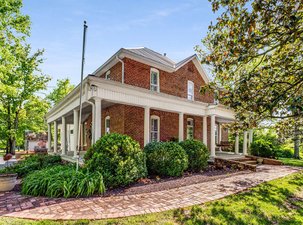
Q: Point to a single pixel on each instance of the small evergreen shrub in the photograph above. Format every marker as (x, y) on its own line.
(118, 157)
(32, 163)
(165, 158)
(63, 181)
(285, 152)
(198, 154)
(262, 148)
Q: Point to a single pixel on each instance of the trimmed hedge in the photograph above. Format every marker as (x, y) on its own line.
(32, 163)
(118, 157)
(63, 181)
(165, 158)
(198, 154)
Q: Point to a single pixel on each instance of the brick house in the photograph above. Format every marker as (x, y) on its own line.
(145, 95)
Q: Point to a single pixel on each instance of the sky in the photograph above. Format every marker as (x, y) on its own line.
(174, 27)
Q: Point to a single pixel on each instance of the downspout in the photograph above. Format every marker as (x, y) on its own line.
(122, 68)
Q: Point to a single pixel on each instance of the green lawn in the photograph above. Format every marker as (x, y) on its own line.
(275, 202)
(292, 162)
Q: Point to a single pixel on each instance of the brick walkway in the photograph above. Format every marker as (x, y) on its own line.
(14, 205)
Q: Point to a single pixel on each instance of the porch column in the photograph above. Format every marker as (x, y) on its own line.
(205, 130)
(146, 125)
(181, 127)
(63, 136)
(76, 130)
(237, 144)
(212, 136)
(245, 143)
(98, 118)
(250, 137)
(49, 137)
(220, 135)
(55, 136)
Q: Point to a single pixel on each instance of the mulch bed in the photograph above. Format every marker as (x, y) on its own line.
(153, 184)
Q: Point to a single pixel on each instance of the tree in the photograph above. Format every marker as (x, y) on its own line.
(20, 77)
(63, 87)
(255, 51)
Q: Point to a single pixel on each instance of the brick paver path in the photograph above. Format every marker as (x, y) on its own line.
(14, 205)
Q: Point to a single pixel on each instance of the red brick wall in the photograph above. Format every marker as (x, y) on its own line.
(115, 72)
(116, 113)
(138, 74)
(169, 124)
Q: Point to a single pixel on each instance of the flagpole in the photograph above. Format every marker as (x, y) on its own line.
(80, 98)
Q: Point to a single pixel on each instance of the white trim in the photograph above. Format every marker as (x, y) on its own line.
(153, 70)
(154, 117)
(191, 96)
(105, 125)
(107, 75)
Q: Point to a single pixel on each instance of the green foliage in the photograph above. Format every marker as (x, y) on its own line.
(165, 158)
(32, 163)
(63, 181)
(292, 162)
(262, 148)
(20, 77)
(285, 152)
(118, 157)
(63, 87)
(197, 152)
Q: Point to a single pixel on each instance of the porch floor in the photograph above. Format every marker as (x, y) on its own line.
(228, 155)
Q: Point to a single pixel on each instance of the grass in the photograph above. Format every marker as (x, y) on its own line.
(292, 162)
(276, 202)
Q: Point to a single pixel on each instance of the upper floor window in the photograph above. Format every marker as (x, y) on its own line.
(107, 124)
(154, 128)
(107, 75)
(190, 129)
(154, 80)
(190, 90)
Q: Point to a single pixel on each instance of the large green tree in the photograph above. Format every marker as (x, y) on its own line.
(255, 51)
(20, 77)
(63, 87)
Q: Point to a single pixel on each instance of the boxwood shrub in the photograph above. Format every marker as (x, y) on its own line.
(63, 181)
(118, 157)
(198, 154)
(165, 159)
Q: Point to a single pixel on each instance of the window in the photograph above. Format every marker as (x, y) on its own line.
(190, 128)
(107, 124)
(216, 134)
(84, 133)
(154, 80)
(107, 75)
(154, 128)
(190, 90)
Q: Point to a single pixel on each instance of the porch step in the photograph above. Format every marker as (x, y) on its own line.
(252, 162)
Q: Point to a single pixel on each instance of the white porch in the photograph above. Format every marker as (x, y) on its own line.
(100, 93)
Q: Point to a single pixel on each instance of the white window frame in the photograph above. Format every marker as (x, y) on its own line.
(190, 126)
(154, 117)
(217, 133)
(190, 96)
(106, 129)
(107, 75)
(152, 86)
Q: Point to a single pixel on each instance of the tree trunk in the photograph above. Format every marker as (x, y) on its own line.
(296, 142)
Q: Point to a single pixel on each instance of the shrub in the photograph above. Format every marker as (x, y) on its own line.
(197, 152)
(119, 158)
(285, 152)
(262, 148)
(63, 181)
(166, 158)
(32, 163)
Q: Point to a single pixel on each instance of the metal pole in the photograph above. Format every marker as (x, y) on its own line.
(80, 111)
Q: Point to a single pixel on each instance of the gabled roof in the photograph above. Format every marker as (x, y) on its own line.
(150, 57)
